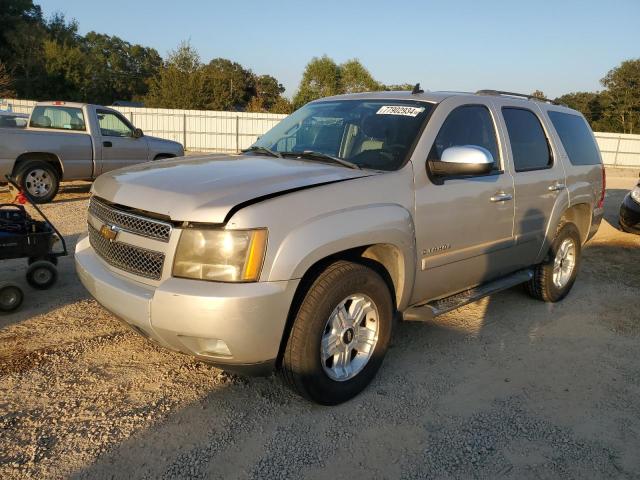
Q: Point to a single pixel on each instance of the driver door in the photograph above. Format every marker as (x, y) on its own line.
(118, 145)
(464, 225)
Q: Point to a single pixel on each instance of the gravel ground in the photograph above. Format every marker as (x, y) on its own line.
(504, 388)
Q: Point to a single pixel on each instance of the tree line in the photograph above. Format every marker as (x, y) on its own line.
(46, 58)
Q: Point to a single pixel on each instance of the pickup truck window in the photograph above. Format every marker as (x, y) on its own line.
(529, 144)
(112, 125)
(576, 138)
(378, 134)
(12, 121)
(57, 118)
(467, 125)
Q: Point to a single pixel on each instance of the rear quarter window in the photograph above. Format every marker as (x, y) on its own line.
(576, 138)
(528, 140)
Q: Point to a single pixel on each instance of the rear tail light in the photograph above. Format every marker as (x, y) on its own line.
(604, 187)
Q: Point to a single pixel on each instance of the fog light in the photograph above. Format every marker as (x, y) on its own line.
(206, 347)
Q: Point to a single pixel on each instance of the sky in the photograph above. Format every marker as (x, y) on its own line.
(555, 46)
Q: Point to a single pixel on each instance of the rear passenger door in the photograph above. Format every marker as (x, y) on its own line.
(538, 174)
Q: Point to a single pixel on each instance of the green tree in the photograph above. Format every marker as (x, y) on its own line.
(117, 70)
(14, 14)
(180, 83)
(592, 105)
(355, 78)
(282, 105)
(268, 90)
(399, 87)
(6, 84)
(321, 78)
(229, 85)
(538, 94)
(623, 91)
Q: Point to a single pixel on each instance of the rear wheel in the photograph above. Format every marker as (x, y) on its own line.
(553, 278)
(11, 297)
(42, 274)
(39, 179)
(340, 334)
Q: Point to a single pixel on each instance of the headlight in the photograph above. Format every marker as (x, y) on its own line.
(635, 194)
(220, 255)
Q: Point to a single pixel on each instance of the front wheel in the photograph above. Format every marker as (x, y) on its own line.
(340, 334)
(553, 278)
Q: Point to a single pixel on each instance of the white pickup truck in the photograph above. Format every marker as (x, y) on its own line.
(74, 141)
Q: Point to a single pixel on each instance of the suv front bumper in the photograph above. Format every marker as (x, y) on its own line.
(194, 316)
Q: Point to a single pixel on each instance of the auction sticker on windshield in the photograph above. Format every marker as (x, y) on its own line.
(400, 110)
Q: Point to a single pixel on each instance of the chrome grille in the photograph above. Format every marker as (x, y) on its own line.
(136, 260)
(142, 226)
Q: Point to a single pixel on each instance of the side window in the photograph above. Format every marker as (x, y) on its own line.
(58, 118)
(576, 138)
(467, 125)
(111, 125)
(529, 144)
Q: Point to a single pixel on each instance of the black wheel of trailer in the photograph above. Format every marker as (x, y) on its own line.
(42, 274)
(48, 258)
(11, 297)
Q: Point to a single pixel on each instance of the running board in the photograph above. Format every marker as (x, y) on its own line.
(427, 311)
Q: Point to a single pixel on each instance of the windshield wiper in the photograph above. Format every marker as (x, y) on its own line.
(266, 150)
(324, 156)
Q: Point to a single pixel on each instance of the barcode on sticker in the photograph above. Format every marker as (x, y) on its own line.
(400, 110)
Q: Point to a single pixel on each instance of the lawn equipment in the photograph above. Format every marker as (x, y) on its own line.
(21, 236)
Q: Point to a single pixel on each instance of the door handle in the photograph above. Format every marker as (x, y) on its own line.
(556, 187)
(501, 197)
(107, 144)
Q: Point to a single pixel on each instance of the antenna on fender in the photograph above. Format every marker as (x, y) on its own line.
(416, 89)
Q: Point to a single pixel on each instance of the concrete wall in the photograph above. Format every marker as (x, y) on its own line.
(211, 131)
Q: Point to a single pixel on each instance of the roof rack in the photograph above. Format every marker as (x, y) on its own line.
(512, 94)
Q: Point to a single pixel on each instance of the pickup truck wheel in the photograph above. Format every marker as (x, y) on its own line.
(340, 334)
(39, 179)
(553, 278)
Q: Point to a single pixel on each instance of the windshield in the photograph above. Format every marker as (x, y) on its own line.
(373, 134)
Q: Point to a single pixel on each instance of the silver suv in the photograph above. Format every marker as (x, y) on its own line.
(354, 212)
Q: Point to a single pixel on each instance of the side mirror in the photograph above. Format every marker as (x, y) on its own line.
(137, 133)
(464, 160)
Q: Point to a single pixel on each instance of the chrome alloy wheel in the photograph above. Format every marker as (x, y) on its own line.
(564, 263)
(350, 337)
(38, 182)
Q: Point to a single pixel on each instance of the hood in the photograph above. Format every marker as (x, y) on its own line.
(205, 189)
(167, 146)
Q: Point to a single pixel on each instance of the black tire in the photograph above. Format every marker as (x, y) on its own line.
(48, 258)
(302, 367)
(26, 174)
(11, 297)
(42, 274)
(541, 286)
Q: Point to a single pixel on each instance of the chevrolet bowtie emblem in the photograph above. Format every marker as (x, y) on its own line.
(109, 232)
